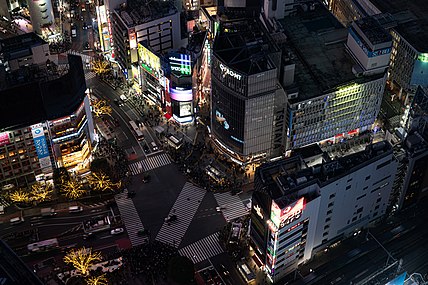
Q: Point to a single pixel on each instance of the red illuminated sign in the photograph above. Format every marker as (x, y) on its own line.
(288, 214)
(4, 139)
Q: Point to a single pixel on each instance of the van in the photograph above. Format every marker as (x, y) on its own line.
(1, 210)
(154, 146)
(16, 220)
(75, 209)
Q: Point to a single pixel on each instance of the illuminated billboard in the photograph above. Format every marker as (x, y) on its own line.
(181, 64)
(282, 217)
(149, 61)
(181, 94)
(41, 146)
(4, 139)
(399, 280)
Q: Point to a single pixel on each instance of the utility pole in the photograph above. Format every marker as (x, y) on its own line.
(378, 242)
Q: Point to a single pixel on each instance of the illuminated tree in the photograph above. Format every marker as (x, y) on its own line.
(19, 196)
(100, 67)
(73, 189)
(101, 107)
(82, 259)
(101, 182)
(41, 191)
(97, 280)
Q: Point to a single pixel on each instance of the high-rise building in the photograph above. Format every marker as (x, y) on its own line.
(339, 76)
(247, 101)
(45, 121)
(299, 210)
(407, 22)
(155, 22)
(41, 14)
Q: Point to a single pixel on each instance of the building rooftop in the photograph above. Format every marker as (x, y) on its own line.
(316, 44)
(33, 94)
(138, 12)
(373, 30)
(19, 46)
(285, 177)
(412, 18)
(244, 45)
(13, 270)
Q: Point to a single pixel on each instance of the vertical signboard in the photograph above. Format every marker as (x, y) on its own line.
(41, 146)
(181, 64)
(4, 139)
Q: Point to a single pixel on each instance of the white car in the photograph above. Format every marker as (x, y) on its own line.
(117, 231)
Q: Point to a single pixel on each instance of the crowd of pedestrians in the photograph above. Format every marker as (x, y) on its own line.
(149, 261)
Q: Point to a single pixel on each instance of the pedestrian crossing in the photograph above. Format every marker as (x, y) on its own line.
(4, 202)
(202, 249)
(184, 208)
(232, 206)
(85, 57)
(149, 163)
(130, 218)
(89, 75)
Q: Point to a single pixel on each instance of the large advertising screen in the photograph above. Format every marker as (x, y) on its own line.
(181, 94)
(41, 145)
(284, 216)
(181, 64)
(149, 60)
(185, 109)
(4, 139)
(399, 280)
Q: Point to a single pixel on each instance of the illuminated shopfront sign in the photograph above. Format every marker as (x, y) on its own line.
(181, 64)
(41, 146)
(4, 139)
(282, 217)
(229, 72)
(181, 94)
(149, 61)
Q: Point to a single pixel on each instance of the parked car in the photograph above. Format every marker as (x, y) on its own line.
(117, 231)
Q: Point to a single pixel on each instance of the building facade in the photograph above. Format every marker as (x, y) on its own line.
(329, 101)
(47, 124)
(247, 103)
(156, 23)
(299, 210)
(41, 13)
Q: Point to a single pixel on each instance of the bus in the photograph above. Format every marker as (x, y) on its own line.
(43, 245)
(174, 142)
(138, 133)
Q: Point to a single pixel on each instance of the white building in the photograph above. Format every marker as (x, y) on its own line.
(337, 87)
(299, 210)
(41, 14)
(157, 23)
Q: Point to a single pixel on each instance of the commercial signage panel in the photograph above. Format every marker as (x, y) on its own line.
(4, 139)
(148, 59)
(399, 280)
(181, 64)
(185, 109)
(41, 145)
(282, 217)
(182, 95)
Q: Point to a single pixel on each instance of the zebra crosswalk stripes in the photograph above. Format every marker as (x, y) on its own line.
(149, 163)
(84, 57)
(202, 249)
(130, 218)
(184, 208)
(232, 207)
(89, 75)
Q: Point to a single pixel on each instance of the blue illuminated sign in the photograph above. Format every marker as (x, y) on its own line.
(41, 147)
(367, 50)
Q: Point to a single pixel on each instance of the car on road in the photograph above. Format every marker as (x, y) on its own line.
(219, 209)
(146, 149)
(154, 146)
(87, 46)
(117, 231)
(16, 220)
(224, 271)
(75, 209)
(171, 218)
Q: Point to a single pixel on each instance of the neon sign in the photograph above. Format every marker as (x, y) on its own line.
(282, 217)
(259, 211)
(181, 64)
(227, 71)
